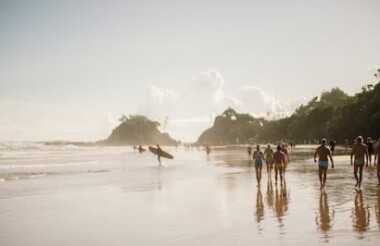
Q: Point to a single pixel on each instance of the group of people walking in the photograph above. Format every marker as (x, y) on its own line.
(276, 160)
(279, 159)
(359, 157)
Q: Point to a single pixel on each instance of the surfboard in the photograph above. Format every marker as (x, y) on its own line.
(164, 154)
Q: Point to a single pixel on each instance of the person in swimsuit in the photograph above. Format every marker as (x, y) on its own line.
(268, 153)
(323, 152)
(370, 149)
(360, 152)
(258, 157)
(377, 161)
(287, 159)
(279, 162)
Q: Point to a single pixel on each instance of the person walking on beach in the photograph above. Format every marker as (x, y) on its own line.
(346, 143)
(370, 149)
(249, 149)
(377, 161)
(258, 156)
(287, 159)
(323, 152)
(268, 153)
(332, 145)
(208, 149)
(159, 151)
(359, 151)
(279, 162)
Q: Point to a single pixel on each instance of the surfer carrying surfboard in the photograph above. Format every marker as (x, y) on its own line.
(159, 152)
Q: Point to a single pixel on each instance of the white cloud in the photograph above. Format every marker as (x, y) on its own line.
(373, 66)
(193, 109)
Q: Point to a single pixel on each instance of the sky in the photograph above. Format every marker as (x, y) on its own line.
(70, 69)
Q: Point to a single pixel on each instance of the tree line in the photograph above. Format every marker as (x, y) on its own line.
(333, 114)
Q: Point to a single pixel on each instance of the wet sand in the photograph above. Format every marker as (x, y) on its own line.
(115, 196)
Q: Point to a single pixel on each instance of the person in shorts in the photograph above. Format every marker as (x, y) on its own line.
(359, 158)
(323, 154)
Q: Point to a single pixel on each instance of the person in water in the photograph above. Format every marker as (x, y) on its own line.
(268, 153)
(279, 162)
(140, 148)
(287, 159)
(208, 149)
(159, 151)
(249, 149)
(258, 157)
(377, 161)
(360, 154)
(323, 152)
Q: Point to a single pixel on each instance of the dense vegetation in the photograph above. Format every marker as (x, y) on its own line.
(137, 129)
(333, 115)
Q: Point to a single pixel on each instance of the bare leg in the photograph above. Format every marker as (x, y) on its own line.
(324, 177)
(261, 169)
(257, 175)
(320, 177)
(281, 175)
(360, 175)
(356, 175)
(276, 173)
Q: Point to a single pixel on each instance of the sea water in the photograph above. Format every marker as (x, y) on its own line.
(70, 195)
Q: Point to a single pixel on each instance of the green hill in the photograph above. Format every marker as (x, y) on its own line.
(138, 129)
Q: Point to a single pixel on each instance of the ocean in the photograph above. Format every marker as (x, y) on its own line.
(71, 195)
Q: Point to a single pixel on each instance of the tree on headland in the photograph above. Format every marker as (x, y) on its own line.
(138, 129)
(333, 115)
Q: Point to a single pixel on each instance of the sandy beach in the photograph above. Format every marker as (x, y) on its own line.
(67, 195)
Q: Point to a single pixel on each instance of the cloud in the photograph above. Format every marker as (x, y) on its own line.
(193, 109)
(373, 66)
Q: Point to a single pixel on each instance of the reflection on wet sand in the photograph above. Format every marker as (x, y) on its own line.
(270, 195)
(360, 214)
(259, 213)
(324, 218)
(281, 203)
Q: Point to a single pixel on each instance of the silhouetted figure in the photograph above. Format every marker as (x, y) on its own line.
(249, 149)
(332, 145)
(140, 149)
(370, 149)
(279, 162)
(268, 154)
(208, 149)
(323, 153)
(360, 152)
(377, 161)
(287, 159)
(258, 157)
(159, 151)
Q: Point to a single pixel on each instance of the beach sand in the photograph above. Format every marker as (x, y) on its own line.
(115, 196)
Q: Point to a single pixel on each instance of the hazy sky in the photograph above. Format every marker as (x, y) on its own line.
(70, 69)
